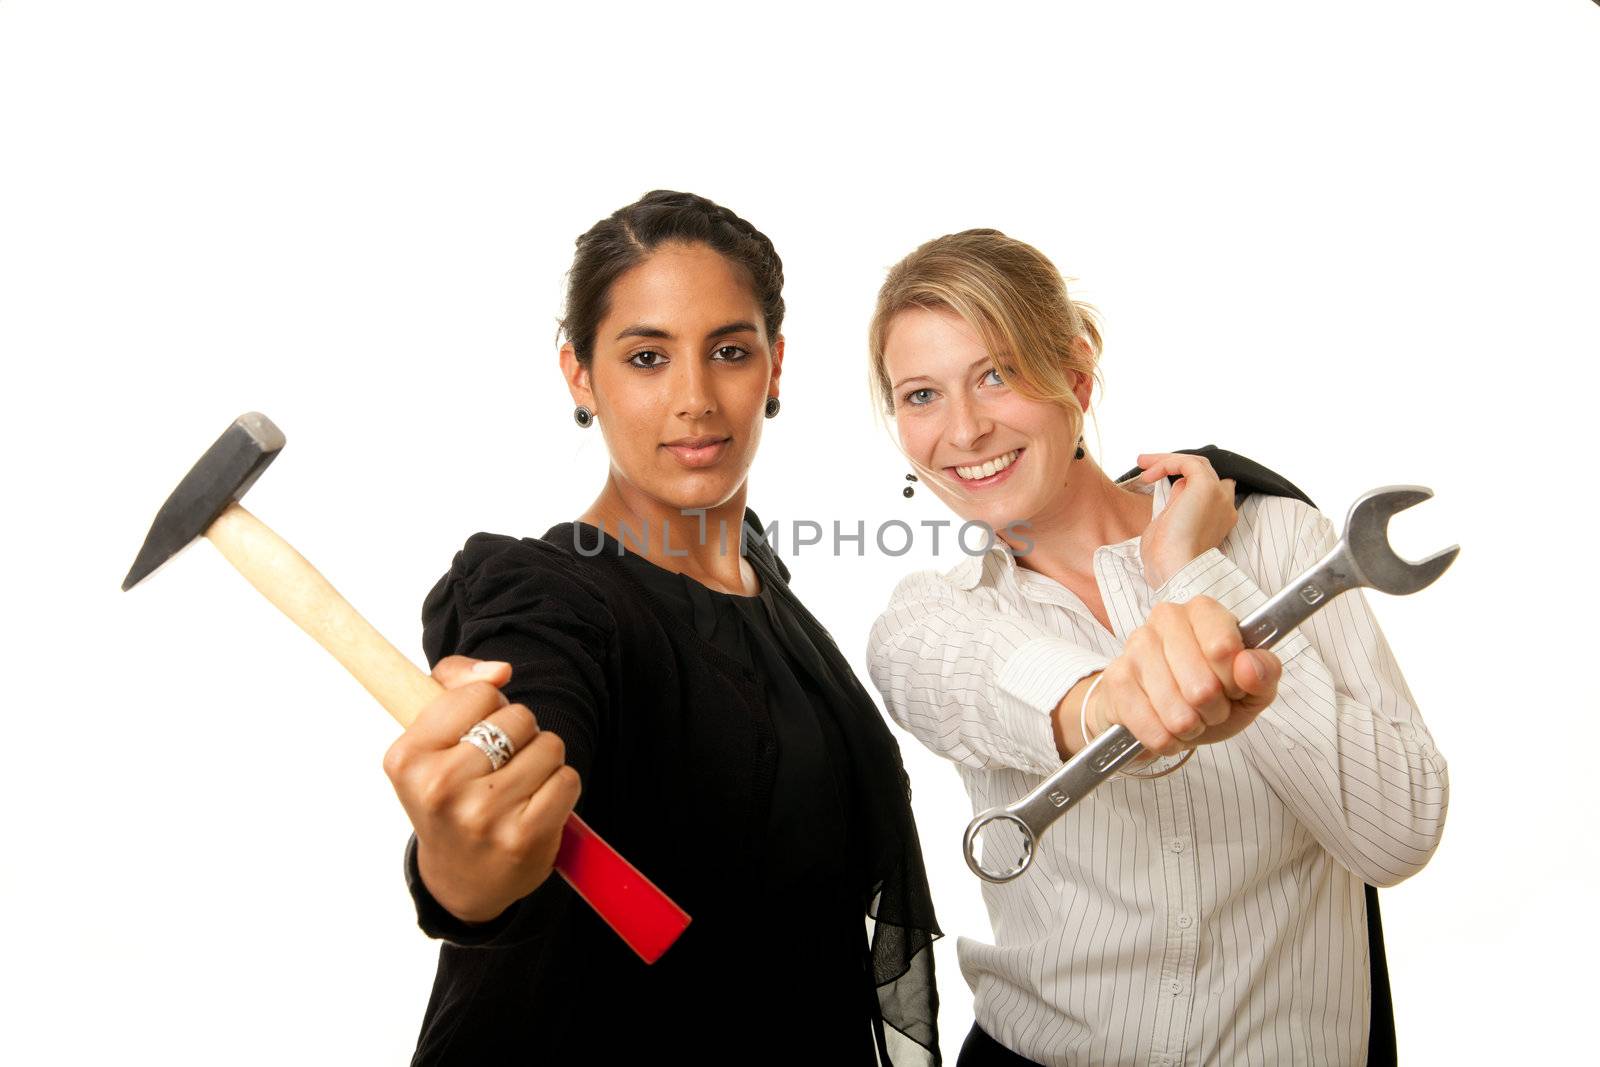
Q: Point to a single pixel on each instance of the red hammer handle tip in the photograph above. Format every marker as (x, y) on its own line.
(631, 904)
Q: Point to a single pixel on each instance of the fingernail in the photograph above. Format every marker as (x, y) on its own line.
(488, 667)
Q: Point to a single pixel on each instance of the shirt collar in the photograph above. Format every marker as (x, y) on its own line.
(999, 559)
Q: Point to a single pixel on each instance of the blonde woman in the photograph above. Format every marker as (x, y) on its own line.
(1209, 905)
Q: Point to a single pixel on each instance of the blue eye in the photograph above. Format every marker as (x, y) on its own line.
(993, 373)
(918, 397)
(730, 354)
(648, 359)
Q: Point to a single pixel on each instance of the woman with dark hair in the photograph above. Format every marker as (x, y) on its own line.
(1207, 905)
(722, 743)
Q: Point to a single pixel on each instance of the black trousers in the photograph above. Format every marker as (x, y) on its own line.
(981, 1050)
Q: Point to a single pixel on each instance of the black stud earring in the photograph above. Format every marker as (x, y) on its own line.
(582, 416)
(908, 491)
(772, 407)
(1079, 453)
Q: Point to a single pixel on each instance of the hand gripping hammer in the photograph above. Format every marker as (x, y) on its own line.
(1361, 558)
(206, 503)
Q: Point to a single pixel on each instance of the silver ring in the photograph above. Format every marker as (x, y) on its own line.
(492, 741)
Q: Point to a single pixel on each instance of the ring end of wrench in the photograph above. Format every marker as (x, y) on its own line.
(969, 843)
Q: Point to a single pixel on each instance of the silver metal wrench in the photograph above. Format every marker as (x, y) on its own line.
(1362, 558)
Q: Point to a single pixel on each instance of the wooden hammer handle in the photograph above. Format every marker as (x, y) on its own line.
(644, 916)
(288, 579)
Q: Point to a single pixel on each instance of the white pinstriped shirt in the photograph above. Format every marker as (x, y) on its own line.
(1213, 916)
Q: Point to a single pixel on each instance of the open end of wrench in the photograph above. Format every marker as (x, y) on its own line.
(998, 845)
(1366, 532)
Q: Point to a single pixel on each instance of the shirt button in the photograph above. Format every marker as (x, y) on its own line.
(1175, 987)
(1175, 845)
(1180, 591)
(1184, 922)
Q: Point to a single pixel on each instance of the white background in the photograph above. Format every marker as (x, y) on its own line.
(1355, 241)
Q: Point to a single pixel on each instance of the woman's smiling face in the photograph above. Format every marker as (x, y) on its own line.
(680, 375)
(987, 451)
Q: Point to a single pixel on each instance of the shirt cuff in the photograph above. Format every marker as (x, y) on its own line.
(1214, 575)
(436, 921)
(1031, 683)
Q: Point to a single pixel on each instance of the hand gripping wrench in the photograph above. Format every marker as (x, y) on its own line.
(1361, 558)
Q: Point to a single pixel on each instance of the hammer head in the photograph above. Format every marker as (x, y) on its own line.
(1366, 533)
(224, 473)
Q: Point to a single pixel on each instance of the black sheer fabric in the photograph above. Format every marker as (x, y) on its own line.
(841, 838)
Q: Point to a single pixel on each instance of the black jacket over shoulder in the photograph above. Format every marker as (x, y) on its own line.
(677, 757)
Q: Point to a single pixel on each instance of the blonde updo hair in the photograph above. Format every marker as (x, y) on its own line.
(1016, 300)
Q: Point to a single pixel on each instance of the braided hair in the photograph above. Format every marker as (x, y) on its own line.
(629, 235)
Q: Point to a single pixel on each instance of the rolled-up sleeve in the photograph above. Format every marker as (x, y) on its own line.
(519, 601)
(974, 684)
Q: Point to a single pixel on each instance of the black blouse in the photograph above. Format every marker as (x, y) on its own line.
(728, 751)
(806, 867)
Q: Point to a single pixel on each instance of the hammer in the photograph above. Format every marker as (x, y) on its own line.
(206, 503)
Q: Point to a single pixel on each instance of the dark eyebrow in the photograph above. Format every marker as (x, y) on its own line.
(921, 377)
(639, 329)
(732, 327)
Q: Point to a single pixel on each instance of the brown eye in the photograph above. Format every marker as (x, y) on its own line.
(647, 359)
(730, 354)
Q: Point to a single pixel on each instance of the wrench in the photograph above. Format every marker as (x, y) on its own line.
(1361, 558)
